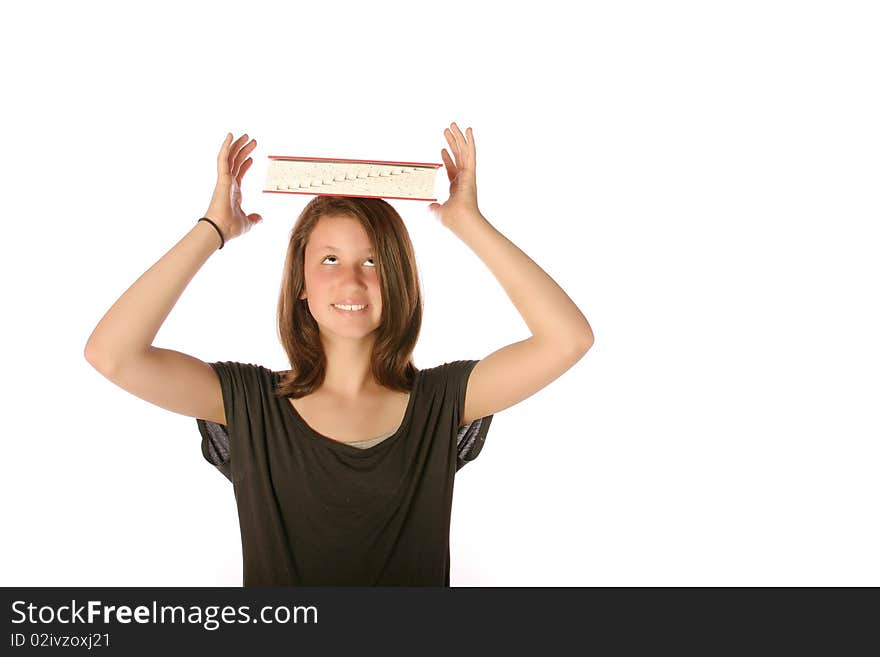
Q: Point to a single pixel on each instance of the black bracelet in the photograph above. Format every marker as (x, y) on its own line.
(222, 241)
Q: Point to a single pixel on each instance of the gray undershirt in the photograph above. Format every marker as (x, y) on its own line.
(364, 444)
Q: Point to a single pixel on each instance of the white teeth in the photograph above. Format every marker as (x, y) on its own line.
(349, 307)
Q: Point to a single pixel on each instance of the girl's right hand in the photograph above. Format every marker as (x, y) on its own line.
(225, 208)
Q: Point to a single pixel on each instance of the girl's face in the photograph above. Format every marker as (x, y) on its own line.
(340, 269)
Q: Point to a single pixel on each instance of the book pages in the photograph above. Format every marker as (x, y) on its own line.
(352, 178)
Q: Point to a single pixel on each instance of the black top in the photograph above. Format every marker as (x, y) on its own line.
(317, 512)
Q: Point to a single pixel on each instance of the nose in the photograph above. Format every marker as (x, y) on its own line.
(354, 277)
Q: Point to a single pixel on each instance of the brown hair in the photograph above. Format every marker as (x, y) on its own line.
(401, 320)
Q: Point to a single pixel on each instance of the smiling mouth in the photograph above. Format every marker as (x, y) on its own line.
(349, 312)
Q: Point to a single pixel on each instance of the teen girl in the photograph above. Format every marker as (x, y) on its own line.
(343, 466)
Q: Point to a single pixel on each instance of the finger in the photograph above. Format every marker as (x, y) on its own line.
(450, 138)
(239, 154)
(227, 151)
(242, 154)
(232, 152)
(463, 147)
(451, 170)
(473, 147)
(244, 167)
(222, 156)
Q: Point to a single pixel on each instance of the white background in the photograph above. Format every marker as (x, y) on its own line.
(700, 178)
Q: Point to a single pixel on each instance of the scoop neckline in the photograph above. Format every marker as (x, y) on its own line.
(336, 444)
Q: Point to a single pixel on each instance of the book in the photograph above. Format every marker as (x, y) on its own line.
(327, 176)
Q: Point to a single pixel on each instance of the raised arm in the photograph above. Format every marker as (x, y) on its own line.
(120, 346)
(561, 335)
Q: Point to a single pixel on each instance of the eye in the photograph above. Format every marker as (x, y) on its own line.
(370, 259)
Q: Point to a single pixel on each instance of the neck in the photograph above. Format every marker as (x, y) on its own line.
(349, 375)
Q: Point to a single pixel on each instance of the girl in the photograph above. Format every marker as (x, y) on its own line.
(343, 466)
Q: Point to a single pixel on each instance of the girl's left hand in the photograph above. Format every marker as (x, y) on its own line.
(462, 202)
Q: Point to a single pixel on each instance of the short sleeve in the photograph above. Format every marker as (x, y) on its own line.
(471, 437)
(215, 445)
(235, 378)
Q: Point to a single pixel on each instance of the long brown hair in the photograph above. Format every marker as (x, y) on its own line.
(401, 321)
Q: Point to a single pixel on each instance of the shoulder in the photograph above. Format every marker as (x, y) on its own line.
(452, 367)
(448, 373)
(239, 366)
(242, 373)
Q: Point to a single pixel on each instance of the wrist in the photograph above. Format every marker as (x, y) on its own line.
(467, 222)
(217, 228)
